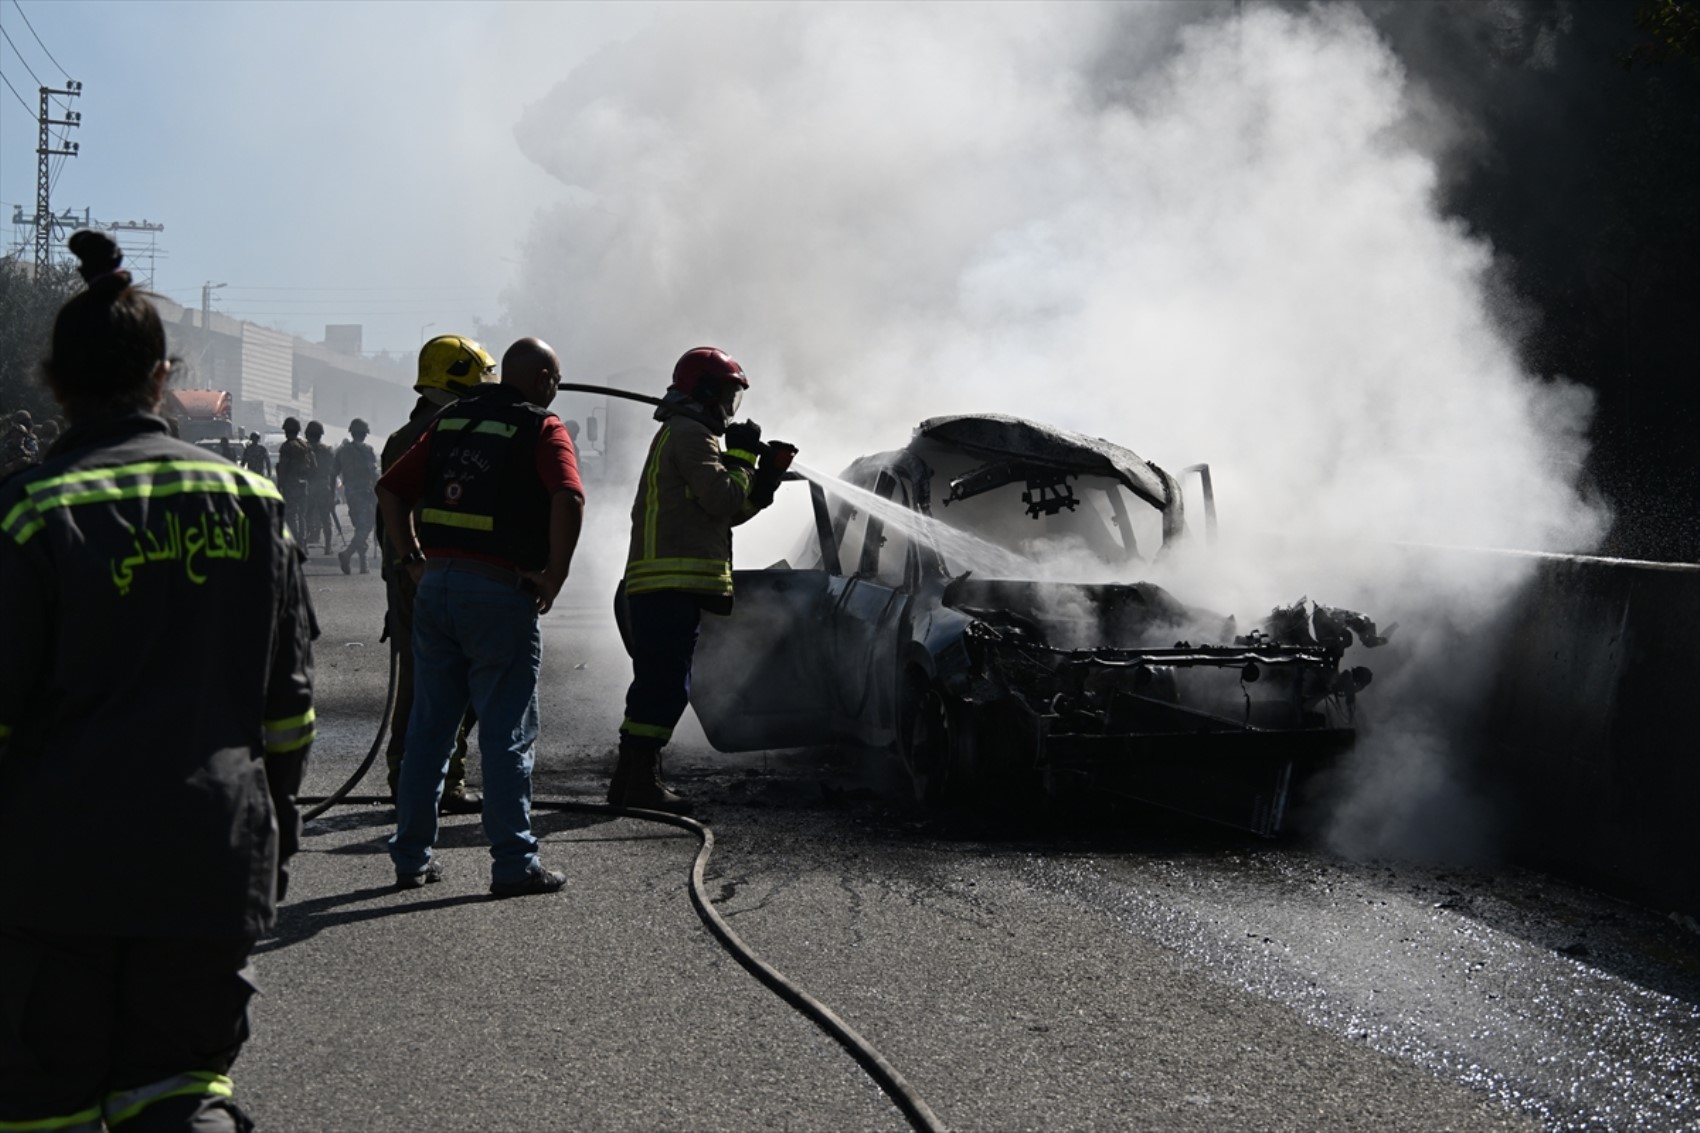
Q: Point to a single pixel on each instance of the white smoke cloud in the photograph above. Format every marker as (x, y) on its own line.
(1230, 252)
(1203, 233)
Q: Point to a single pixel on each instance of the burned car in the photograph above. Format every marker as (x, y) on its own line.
(924, 617)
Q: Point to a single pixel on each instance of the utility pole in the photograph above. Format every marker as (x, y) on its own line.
(45, 222)
(206, 303)
(208, 357)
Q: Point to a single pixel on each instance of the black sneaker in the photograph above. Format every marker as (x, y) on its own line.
(539, 880)
(433, 872)
(461, 802)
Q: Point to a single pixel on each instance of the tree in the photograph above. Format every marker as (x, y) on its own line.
(27, 307)
(1673, 32)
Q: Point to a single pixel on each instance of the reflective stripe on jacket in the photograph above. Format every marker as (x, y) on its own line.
(121, 1105)
(687, 503)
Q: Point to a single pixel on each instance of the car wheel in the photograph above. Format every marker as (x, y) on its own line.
(929, 738)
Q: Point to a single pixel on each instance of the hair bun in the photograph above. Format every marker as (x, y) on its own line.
(97, 255)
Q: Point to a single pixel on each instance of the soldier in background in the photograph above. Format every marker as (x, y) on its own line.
(19, 448)
(255, 458)
(357, 468)
(321, 489)
(294, 469)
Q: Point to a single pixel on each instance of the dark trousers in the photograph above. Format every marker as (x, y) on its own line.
(93, 1024)
(295, 515)
(660, 631)
(360, 518)
(321, 514)
(401, 589)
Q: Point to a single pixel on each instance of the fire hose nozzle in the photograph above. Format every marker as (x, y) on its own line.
(780, 455)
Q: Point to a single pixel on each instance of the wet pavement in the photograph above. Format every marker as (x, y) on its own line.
(1135, 973)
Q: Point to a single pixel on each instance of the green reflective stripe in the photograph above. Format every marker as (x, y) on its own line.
(23, 507)
(679, 574)
(83, 1121)
(5, 730)
(284, 747)
(457, 519)
(453, 424)
(679, 582)
(652, 493)
(742, 454)
(155, 478)
(653, 731)
(122, 1105)
(288, 722)
(221, 468)
(742, 476)
(291, 734)
(675, 566)
(495, 427)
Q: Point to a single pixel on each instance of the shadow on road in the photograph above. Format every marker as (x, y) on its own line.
(305, 920)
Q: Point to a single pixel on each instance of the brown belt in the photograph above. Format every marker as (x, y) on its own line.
(476, 566)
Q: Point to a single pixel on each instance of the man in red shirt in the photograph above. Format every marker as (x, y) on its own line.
(500, 506)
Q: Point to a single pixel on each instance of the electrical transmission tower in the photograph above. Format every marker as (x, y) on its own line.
(139, 257)
(137, 254)
(45, 222)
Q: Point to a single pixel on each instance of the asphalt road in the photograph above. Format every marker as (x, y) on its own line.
(1134, 974)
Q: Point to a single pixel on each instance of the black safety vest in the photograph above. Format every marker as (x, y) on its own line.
(482, 491)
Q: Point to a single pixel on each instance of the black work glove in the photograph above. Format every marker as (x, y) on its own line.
(776, 457)
(743, 444)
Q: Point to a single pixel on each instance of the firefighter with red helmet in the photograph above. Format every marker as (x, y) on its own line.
(691, 494)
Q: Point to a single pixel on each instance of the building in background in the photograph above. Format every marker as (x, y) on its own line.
(271, 375)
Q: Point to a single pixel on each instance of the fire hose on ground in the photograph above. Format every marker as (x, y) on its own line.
(915, 1110)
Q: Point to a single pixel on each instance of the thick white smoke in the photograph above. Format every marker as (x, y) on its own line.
(1202, 232)
(1231, 253)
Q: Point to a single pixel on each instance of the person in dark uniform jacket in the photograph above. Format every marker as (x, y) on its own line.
(295, 465)
(156, 710)
(255, 458)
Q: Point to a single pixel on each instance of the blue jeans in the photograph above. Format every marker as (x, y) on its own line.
(475, 639)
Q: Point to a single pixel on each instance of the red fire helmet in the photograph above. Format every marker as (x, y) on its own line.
(707, 368)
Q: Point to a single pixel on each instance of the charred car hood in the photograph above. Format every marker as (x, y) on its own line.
(996, 436)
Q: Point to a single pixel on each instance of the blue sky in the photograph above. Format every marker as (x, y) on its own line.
(329, 162)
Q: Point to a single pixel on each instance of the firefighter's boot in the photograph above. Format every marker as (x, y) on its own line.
(637, 782)
(342, 560)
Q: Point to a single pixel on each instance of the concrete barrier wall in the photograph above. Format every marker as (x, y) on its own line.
(1591, 735)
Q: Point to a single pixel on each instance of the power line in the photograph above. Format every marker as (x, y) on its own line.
(421, 287)
(17, 96)
(20, 56)
(63, 73)
(413, 301)
(246, 312)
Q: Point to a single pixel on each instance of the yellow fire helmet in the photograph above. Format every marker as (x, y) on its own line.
(451, 366)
